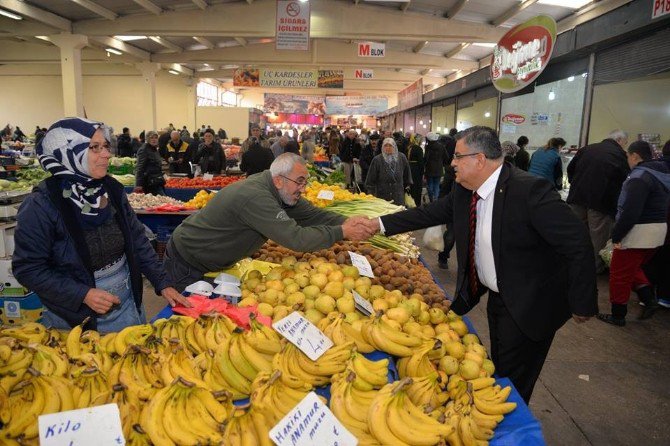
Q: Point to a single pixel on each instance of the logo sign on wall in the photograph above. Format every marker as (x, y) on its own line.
(411, 96)
(523, 53)
(514, 119)
(292, 27)
(364, 74)
(371, 49)
(660, 8)
(288, 78)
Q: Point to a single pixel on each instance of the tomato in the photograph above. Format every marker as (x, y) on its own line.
(200, 183)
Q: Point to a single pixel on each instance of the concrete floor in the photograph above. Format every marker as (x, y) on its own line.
(601, 385)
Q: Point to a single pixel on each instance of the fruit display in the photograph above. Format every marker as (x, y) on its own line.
(149, 201)
(201, 183)
(126, 180)
(122, 165)
(340, 194)
(201, 199)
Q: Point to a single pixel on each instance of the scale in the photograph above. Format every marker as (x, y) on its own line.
(10, 202)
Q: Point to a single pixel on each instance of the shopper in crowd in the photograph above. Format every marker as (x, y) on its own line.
(79, 245)
(292, 146)
(148, 172)
(522, 157)
(375, 144)
(366, 156)
(448, 236)
(308, 145)
(516, 239)
(546, 162)
(255, 136)
(640, 228)
(437, 159)
(163, 140)
(185, 134)
(389, 176)
(401, 142)
(39, 134)
(279, 146)
(596, 174)
(124, 143)
(222, 134)
(178, 155)
(349, 150)
(210, 156)
(256, 159)
(244, 215)
(18, 134)
(416, 167)
(509, 151)
(334, 143)
(143, 136)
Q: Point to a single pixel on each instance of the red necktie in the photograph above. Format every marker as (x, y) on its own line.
(473, 279)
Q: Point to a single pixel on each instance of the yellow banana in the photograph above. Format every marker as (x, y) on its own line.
(408, 429)
(377, 418)
(364, 370)
(384, 343)
(224, 364)
(151, 418)
(361, 344)
(486, 407)
(260, 424)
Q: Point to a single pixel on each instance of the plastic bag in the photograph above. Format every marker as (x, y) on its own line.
(433, 238)
(409, 201)
(358, 173)
(606, 252)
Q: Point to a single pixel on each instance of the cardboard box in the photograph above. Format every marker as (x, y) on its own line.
(19, 310)
(9, 286)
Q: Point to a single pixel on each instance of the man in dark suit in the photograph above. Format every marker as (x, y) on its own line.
(517, 240)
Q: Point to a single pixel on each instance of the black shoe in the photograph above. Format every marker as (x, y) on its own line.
(647, 295)
(442, 263)
(611, 319)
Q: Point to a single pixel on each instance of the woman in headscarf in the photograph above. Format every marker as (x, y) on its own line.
(389, 174)
(149, 174)
(416, 166)
(79, 245)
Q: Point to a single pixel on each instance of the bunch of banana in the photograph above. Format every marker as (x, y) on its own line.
(172, 328)
(179, 363)
(262, 338)
(350, 405)
(132, 335)
(107, 343)
(137, 437)
(274, 394)
(30, 332)
(418, 364)
(184, 414)
(384, 336)
(195, 336)
(222, 370)
(292, 362)
(137, 370)
(218, 328)
(14, 364)
(129, 408)
(369, 374)
(394, 419)
(38, 395)
(90, 388)
(428, 390)
(247, 428)
(73, 344)
(341, 332)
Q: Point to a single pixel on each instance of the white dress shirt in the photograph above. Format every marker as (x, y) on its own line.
(486, 268)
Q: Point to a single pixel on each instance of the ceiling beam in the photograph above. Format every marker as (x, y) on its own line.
(589, 12)
(167, 44)
(511, 12)
(242, 41)
(460, 4)
(38, 14)
(202, 4)
(110, 42)
(94, 7)
(205, 42)
(181, 69)
(150, 6)
(458, 49)
(330, 20)
(419, 46)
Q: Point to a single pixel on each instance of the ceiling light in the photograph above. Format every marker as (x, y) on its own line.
(45, 38)
(487, 114)
(130, 38)
(571, 78)
(485, 44)
(552, 95)
(572, 4)
(113, 51)
(175, 72)
(11, 15)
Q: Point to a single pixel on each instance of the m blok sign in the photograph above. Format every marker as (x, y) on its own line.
(371, 49)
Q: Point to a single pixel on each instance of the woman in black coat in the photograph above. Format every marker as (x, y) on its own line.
(210, 155)
(149, 173)
(416, 166)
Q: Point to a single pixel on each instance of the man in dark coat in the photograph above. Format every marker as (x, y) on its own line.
(124, 143)
(596, 174)
(516, 239)
(256, 159)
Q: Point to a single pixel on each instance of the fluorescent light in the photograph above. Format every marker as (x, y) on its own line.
(130, 38)
(175, 72)
(485, 44)
(571, 78)
(572, 4)
(552, 95)
(45, 38)
(487, 114)
(113, 51)
(11, 15)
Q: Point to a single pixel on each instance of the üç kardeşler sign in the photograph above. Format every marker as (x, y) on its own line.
(288, 78)
(522, 54)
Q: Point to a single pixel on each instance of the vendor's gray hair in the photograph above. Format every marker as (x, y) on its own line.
(618, 135)
(509, 148)
(284, 163)
(482, 139)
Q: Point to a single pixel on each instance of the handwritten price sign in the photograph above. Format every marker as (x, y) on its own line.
(304, 335)
(660, 8)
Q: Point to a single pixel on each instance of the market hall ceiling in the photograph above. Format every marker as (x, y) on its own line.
(439, 40)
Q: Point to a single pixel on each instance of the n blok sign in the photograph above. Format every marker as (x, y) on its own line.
(523, 53)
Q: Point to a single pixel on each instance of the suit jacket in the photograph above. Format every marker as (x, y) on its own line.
(542, 252)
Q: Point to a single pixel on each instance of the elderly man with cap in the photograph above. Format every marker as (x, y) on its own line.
(389, 176)
(437, 160)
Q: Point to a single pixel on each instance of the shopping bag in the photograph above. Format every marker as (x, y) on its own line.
(358, 173)
(433, 239)
(409, 201)
(606, 253)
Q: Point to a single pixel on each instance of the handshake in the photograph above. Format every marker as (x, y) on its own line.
(360, 228)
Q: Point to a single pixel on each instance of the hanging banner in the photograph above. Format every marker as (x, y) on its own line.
(411, 96)
(364, 73)
(371, 49)
(523, 53)
(288, 78)
(356, 105)
(286, 103)
(292, 27)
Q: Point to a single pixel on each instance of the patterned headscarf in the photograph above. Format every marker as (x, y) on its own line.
(393, 157)
(64, 153)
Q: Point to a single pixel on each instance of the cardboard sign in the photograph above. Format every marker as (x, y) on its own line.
(326, 195)
(310, 423)
(361, 263)
(304, 335)
(100, 425)
(362, 304)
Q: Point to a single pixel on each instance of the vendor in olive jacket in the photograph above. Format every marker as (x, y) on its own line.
(244, 215)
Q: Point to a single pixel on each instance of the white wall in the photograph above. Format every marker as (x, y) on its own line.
(234, 120)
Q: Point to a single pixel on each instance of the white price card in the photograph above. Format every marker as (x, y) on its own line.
(208, 177)
(310, 423)
(361, 263)
(304, 335)
(362, 304)
(99, 425)
(326, 194)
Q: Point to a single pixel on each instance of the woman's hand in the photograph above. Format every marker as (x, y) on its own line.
(100, 301)
(174, 297)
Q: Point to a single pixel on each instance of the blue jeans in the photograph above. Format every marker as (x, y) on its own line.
(433, 186)
(115, 280)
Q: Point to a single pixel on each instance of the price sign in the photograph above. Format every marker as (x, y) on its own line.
(93, 425)
(362, 304)
(304, 335)
(208, 177)
(326, 195)
(310, 423)
(361, 263)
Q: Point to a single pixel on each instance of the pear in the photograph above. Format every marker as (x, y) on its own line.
(469, 369)
(334, 289)
(437, 316)
(376, 292)
(346, 304)
(448, 364)
(265, 309)
(455, 349)
(459, 327)
(314, 316)
(295, 298)
(311, 291)
(325, 303)
(318, 279)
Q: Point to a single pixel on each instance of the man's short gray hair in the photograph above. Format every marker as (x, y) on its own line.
(509, 148)
(175, 132)
(618, 135)
(482, 139)
(284, 163)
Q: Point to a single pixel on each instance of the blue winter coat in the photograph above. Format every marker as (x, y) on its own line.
(52, 259)
(547, 164)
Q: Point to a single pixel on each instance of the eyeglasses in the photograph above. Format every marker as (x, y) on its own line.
(98, 148)
(301, 183)
(458, 156)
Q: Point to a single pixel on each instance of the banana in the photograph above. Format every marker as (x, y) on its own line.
(260, 424)
(151, 418)
(233, 434)
(489, 408)
(259, 362)
(383, 342)
(218, 411)
(201, 422)
(19, 360)
(408, 429)
(465, 432)
(132, 335)
(73, 340)
(225, 365)
(174, 411)
(190, 339)
(481, 383)
(49, 361)
(370, 371)
(377, 418)
(30, 332)
(361, 344)
(24, 416)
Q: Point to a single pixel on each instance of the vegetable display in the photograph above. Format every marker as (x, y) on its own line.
(201, 199)
(201, 183)
(150, 201)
